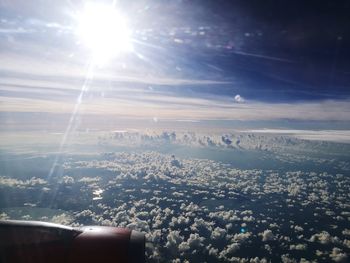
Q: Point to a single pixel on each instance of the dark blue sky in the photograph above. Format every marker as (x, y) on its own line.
(277, 50)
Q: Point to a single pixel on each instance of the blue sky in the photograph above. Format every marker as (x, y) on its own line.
(195, 60)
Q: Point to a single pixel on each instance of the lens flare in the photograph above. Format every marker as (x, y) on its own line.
(104, 31)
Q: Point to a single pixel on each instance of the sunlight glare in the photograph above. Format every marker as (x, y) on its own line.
(104, 31)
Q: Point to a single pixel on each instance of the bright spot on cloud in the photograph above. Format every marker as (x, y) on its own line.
(104, 31)
(239, 99)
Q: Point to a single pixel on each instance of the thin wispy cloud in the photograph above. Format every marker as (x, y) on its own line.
(62, 67)
(169, 107)
(319, 135)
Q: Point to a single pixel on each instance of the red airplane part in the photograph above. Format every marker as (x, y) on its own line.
(33, 241)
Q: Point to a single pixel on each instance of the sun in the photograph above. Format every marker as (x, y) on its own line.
(104, 31)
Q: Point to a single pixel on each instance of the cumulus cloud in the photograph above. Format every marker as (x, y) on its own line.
(229, 250)
(298, 247)
(241, 237)
(67, 180)
(205, 207)
(4, 216)
(239, 99)
(212, 251)
(271, 140)
(193, 242)
(323, 237)
(338, 255)
(154, 236)
(64, 219)
(12, 182)
(202, 225)
(218, 233)
(181, 220)
(346, 232)
(298, 229)
(267, 235)
(140, 225)
(174, 239)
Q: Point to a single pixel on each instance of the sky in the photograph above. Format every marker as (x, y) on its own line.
(196, 61)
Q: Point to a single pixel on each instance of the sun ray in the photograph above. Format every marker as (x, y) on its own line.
(104, 31)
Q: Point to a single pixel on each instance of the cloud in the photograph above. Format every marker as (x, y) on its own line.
(173, 239)
(267, 235)
(218, 233)
(323, 237)
(338, 255)
(194, 241)
(346, 243)
(202, 225)
(286, 259)
(12, 182)
(298, 229)
(239, 99)
(24, 69)
(4, 216)
(8, 31)
(181, 220)
(213, 251)
(32, 79)
(67, 180)
(138, 224)
(89, 180)
(298, 247)
(57, 93)
(64, 219)
(173, 108)
(241, 237)
(154, 236)
(229, 250)
(202, 218)
(320, 135)
(346, 232)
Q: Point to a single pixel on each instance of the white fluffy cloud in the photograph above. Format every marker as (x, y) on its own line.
(239, 99)
(174, 239)
(338, 255)
(267, 235)
(241, 237)
(218, 233)
(64, 219)
(193, 242)
(346, 232)
(298, 247)
(323, 237)
(229, 250)
(208, 208)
